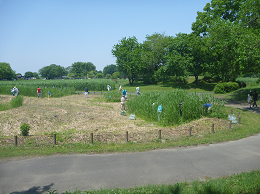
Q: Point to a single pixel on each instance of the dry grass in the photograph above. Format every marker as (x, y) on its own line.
(76, 117)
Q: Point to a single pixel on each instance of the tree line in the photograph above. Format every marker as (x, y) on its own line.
(76, 70)
(225, 43)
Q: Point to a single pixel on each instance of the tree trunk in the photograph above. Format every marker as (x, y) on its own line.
(196, 79)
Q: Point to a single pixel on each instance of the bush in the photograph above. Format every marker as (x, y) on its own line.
(25, 129)
(225, 87)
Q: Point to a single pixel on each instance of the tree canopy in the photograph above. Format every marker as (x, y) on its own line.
(52, 71)
(6, 71)
(81, 69)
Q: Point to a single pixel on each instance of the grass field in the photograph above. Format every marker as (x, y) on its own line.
(72, 118)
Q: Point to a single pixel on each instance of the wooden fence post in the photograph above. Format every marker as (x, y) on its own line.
(160, 134)
(15, 140)
(91, 138)
(231, 111)
(54, 138)
(230, 124)
(190, 131)
(212, 129)
(126, 136)
(239, 119)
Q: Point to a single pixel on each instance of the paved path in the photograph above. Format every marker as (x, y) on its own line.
(166, 166)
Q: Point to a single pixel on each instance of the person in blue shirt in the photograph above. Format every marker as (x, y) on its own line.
(207, 106)
(125, 93)
(86, 92)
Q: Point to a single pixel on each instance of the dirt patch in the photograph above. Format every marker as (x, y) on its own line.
(73, 118)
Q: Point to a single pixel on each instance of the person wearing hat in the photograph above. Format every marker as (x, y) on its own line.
(123, 102)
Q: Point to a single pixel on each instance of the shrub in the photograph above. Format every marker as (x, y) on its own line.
(225, 87)
(25, 129)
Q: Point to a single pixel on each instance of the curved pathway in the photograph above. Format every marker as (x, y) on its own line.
(166, 166)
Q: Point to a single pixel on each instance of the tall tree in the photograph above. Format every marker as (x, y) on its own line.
(179, 56)
(198, 52)
(52, 71)
(81, 69)
(154, 54)
(110, 69)
(231, 30)
(6, 71)
(28, 74)
(128, 54)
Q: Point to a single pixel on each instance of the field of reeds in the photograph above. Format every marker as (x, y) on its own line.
(146, 106)
(57, 88)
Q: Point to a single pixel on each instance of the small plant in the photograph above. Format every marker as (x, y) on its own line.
(25, 129)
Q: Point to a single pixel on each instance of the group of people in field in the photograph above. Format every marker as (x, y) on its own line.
(252, 98)
(39, 92)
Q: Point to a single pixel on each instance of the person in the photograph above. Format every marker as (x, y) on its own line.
(108, 87)
(38, 91)
(14, 91)
(180, 106)
(207, 106)
(86, 92)
(255, 98)
(120, 88)
(49, 95)
(125, 93)
(123, 102)
(137, 90)
(249, 99)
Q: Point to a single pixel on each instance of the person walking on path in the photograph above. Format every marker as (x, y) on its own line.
(86, 92)
(255, 98)
(108, 87)
(39, 92)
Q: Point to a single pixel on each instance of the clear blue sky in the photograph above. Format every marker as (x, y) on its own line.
(38, 33)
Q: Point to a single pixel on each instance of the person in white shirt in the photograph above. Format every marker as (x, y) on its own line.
(108, 87)
(137, 90)
(123, 102)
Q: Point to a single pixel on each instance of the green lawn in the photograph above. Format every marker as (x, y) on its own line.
(202, 86)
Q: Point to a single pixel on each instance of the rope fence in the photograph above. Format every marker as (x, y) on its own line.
(91, 138)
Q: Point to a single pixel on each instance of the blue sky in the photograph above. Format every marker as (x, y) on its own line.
(38, 33)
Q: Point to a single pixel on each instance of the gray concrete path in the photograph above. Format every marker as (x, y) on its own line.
(166, 166)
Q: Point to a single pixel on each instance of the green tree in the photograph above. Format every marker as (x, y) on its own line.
(198, 51)
(116, 75)
(91, 74)
(99, 75)
(6, 72)
(109, 69)
(81, 69)
(128, 54)
(230, 29)
(52, 71)
(28, 74)
(179, 56)
(154, 56)
(36, 75)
